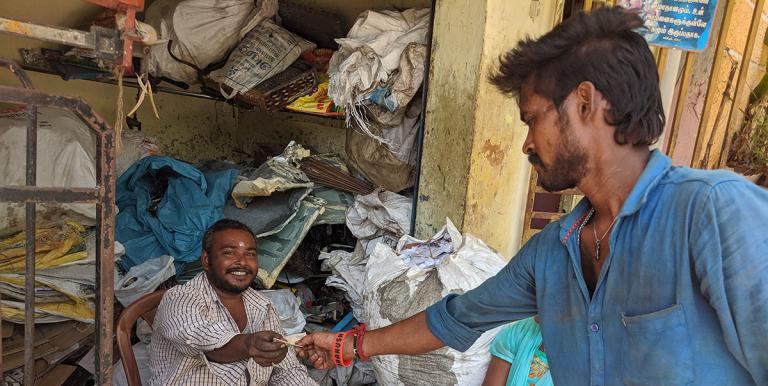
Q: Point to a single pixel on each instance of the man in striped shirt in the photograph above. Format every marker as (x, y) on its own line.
(215, 329)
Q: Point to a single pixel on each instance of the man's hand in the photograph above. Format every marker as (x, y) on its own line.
(318, 348)
(263, 348)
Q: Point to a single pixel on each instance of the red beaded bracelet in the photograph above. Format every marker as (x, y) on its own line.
(359, 335)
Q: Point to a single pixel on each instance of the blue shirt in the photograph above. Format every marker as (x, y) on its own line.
(681, 299)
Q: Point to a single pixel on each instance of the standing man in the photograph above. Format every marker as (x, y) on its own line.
(215, 329)
(658, 277)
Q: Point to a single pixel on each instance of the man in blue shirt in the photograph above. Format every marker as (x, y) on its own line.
(659, 276)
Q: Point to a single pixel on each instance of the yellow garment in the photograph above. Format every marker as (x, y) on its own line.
(53, 247)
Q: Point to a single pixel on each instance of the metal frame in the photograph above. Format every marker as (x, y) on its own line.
(103, 196)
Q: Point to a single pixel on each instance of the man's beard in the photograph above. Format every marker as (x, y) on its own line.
(219, 282)
(570, 163)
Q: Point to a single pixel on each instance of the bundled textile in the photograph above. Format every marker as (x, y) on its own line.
(65, 277)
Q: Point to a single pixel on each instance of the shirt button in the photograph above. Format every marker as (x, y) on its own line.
(594, 327)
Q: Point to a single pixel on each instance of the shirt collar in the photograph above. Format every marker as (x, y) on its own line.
(658, 165)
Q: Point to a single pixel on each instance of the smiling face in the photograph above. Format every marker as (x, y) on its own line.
(232, 264)
(551, 144)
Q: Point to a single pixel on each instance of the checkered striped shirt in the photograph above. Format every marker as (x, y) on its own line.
(191, 320)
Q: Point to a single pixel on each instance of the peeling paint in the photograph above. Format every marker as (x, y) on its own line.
(494, 153)
(17, 27)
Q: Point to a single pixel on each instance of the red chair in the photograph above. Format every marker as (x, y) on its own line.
(145, 308)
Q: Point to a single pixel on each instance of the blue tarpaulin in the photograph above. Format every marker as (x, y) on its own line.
(165, 207)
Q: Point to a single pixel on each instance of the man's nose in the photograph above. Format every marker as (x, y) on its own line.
(242, 257)
(528, 144)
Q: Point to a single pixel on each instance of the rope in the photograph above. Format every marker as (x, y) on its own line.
(119, 113)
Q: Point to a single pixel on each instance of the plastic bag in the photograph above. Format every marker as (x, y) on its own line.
(397, 288)
(143, 279)
(288, 310)
(65, 158)
(267, 50)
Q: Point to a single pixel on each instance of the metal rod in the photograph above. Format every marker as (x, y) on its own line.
(67, 36)
(105, 259)
(422, 121)
(29, 261)
(24, 194)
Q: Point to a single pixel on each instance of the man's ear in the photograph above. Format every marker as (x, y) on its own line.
(205, 260)
(587, 99)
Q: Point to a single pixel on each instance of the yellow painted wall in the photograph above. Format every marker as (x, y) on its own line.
(500, 172)
(473, 168)
(189, 128)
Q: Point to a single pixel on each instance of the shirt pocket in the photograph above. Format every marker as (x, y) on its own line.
(657, 349)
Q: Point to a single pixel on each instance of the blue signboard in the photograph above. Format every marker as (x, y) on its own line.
(683, 24)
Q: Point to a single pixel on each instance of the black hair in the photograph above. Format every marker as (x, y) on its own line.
(222, 225)
(601, 47)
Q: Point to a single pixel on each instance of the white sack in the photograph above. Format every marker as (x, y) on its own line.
(202, 32)
(66, 150)
(395, 290)
(267, 50)
(378, 213)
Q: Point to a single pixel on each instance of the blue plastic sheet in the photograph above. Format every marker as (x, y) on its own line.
(165, 207)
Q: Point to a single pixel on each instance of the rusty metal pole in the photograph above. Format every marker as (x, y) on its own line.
(103, 196)
(29, 262)
(105, 247)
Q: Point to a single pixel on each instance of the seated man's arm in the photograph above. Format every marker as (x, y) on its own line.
(180, 319)
(289, 371)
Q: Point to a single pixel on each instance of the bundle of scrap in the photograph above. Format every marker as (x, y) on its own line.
(325, 174)
(64, 280)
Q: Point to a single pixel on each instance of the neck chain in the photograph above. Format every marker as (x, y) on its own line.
(594, 231)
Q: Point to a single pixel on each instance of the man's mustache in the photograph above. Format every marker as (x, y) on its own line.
(246, 269)
(534, 159)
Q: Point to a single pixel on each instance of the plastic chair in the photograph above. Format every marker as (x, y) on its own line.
(144, 307)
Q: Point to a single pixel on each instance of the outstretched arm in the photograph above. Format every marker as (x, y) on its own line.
(410, 336)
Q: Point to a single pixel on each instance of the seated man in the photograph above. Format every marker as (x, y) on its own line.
(215, 329)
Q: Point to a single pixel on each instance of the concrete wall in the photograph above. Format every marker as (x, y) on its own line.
(449, 127)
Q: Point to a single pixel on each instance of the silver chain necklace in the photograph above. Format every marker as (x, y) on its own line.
(594, 231)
